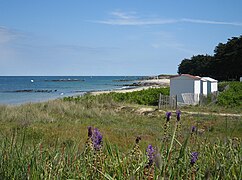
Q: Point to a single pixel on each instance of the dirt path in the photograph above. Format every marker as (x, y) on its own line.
(148, 110)
(214, 114)
(210, 113)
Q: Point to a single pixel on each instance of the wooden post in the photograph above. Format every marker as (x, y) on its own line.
(176, 101)
(166, 102)
(159, 103)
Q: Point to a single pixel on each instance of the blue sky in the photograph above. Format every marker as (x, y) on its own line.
(111, 37)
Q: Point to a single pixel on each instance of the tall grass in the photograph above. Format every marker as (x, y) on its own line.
(172, 159)
(49, 141)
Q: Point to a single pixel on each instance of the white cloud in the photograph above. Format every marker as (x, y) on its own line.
(163, 40)
(132, 19)
(7, 35)
(7, 52)
(172, 44)
(122, 18)
(155, 45)
(124, 15)
(134, 22)
(200, 21)
(180, 47)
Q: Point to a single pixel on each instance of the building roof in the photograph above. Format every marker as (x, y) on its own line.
(208, 79)
(189, 76)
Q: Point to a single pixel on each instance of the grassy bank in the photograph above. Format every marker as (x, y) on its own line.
(49, 140)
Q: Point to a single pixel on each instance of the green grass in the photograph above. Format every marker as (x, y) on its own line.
(144, 97)
(48, 141)
(232, 97)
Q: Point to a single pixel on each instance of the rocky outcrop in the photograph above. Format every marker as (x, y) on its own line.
(34, 91)
(64, 80)
(143, 84)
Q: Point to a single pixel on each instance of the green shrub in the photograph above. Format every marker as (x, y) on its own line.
(231, 97)
(145, 97)
(222, 85)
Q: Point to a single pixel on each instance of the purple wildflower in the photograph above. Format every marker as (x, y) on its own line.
(97, 139)
(168, 116)
(89, 131)
(193, 129)
(194, 157)
(150, 153)
(178, 115)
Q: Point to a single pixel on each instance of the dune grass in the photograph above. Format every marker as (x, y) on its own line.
(49, 141)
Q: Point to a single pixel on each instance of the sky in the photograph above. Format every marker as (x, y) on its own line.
(111, 37)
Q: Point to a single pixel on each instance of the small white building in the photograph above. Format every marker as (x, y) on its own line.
(212, 85)
(188, 88)
(184, 86)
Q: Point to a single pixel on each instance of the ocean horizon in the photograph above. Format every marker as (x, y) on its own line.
(16, 90)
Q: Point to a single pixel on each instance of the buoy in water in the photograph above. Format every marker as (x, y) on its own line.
(32, 80)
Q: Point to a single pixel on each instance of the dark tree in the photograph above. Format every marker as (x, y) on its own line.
(226, 64)
(228, 59)
(198, 65)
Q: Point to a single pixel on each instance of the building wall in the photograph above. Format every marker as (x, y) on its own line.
(209, 87)
(181, 85)
(214, 86)
(204, 87)
(197, 87)
(197, 90)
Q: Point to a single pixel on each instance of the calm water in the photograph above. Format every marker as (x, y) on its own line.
(23, 89)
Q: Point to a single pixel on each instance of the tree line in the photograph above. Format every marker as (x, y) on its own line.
(224, 65)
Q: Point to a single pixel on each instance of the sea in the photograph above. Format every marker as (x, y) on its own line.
(16, 90)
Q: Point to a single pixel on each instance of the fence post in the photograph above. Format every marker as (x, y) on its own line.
(159, 102)
(176, 101)
(167, 102)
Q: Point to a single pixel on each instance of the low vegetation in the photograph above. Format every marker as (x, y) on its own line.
(232, 95)
(51, 140)
(143, 97)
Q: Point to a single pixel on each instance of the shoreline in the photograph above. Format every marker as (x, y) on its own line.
(144, 84)
(140, 85)
(119, 90)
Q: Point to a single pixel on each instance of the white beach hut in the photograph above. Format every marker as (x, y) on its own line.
(212, 85)
(186, 87)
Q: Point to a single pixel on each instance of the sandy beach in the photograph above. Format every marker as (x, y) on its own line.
(145, 84)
